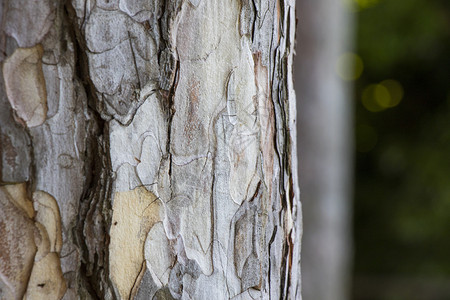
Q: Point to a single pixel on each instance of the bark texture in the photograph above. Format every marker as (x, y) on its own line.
(148, 150)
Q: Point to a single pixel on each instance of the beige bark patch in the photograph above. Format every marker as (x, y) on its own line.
(29, 261)
(18, 194)
(48, 215)
(134, 213)
(46, 280)
(42, 242)
(25, 85)
(17, 246)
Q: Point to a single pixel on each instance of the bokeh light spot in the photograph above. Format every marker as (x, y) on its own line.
(382, 96)
(358, 5)
(386, 94)
(395, 91)
(366, 3)
(349, 66)
(369, 98)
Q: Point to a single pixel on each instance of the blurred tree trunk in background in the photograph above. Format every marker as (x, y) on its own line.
(148, 150)
(325, 147)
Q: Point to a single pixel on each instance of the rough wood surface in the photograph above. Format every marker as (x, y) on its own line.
(148, 150)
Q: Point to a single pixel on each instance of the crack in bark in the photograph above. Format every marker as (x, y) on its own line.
(91, 230)
(134, 60)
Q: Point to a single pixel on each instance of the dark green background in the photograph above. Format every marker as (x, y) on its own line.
(402, 184)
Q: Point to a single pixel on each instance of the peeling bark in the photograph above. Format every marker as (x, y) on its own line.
(148, 150)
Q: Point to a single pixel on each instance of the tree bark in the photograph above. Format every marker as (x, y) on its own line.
(148, 150)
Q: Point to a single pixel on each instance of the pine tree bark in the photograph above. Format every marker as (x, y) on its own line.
(148, 150)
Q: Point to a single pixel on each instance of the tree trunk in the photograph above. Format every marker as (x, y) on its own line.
(148, 150)
(325, 147)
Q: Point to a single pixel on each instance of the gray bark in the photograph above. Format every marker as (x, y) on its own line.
(325, 148)
(148, 150)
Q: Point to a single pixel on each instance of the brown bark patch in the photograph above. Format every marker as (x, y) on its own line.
(8, 150)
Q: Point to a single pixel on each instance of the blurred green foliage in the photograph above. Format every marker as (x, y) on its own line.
(402, 178)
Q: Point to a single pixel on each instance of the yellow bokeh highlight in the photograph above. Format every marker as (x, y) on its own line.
(368, 99)
(395, 91)
(386, 94)
(349, 66)
(366, 3)
(358, 5)
(382, 96)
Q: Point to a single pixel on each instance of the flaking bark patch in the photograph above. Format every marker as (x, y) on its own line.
(134, 213)
(266, 115)
(18, 195)
(49, 216)
(25, 85)
(46, 280)
(30, 266)
(158, 254)
(28, 21)
(18, 247)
